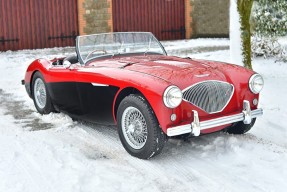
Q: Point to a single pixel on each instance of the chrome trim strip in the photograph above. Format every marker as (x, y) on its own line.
(99, 85)
(188, 128)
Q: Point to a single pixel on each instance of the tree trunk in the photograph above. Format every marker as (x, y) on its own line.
(244, 8)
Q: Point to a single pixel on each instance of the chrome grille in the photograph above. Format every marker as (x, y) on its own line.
(210, 96)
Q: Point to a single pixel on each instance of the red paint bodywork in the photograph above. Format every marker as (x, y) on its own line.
(151, 75)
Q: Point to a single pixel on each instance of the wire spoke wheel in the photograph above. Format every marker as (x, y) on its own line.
(138, 128)
(40, 94)
(134, 127)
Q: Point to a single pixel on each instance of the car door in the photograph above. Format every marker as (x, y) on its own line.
(63, 89)
(96, 95)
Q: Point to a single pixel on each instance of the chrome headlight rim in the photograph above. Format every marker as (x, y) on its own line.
(252, 81)
(167, 97)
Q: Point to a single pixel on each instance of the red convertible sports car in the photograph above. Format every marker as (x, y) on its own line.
(127, 79)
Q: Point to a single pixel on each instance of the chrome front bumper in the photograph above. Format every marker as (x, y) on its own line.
(197, 126)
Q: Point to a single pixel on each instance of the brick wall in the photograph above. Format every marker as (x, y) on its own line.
(95, 16)
(210, 18)
(81, 20)
(188, 19)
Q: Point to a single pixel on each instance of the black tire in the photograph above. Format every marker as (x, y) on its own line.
(44, 105)
(240, 127)
(146, 120)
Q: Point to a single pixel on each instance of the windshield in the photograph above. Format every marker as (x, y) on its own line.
(94, 46)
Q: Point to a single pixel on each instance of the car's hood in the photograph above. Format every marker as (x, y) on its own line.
(182, 72)
(178, 71)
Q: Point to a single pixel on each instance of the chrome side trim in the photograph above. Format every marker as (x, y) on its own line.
(190, 128)
(99, 85)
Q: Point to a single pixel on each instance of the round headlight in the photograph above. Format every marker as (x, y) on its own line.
(172, 96)
(256, 83)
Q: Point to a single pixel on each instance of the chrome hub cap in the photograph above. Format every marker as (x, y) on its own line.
(134, 127)
(40, 93)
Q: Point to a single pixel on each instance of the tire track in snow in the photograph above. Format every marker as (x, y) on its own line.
(21, 113)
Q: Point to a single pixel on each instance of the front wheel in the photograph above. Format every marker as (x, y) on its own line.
(138, 128)
(40, 95)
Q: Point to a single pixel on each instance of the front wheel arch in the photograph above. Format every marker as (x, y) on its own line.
(121, 95)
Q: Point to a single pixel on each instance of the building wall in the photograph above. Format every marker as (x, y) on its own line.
(210, 18)
(203, 18)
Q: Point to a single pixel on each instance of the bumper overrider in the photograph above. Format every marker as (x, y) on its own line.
(197, 126)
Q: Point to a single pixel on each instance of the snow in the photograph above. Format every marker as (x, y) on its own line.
(283, 41)
(53, 153)
(235, 35)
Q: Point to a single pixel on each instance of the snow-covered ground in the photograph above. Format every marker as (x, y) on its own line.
(53, 153)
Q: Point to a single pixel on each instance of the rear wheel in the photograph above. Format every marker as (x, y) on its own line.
(40, 94)
(138, 128)
(240, 127)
